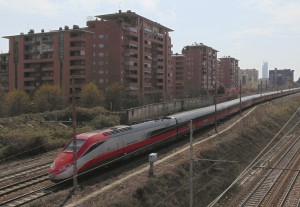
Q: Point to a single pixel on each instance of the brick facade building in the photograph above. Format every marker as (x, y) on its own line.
(4, 72)
(195, 70)
(284, 77)
(123, 47)
(249, 77)
(228, 72)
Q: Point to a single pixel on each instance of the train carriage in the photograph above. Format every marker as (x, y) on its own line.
(109, 145)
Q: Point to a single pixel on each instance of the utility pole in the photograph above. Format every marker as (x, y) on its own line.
(74, 135)
(191, 164)
(215, 100)
(240, 96)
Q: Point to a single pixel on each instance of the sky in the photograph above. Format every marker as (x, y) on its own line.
(252, 31)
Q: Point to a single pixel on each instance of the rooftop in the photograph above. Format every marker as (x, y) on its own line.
(128, 14)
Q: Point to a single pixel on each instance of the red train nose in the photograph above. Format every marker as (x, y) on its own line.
(61, 163)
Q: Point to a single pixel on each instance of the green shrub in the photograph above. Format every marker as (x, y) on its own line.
(103, 121)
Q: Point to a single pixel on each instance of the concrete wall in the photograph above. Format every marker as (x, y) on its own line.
(163, 109)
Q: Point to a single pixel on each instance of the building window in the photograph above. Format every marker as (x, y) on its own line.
(101, 45)
(101, 36)
(101, 54)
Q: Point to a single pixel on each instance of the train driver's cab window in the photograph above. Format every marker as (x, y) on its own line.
(69, 147)
(93, 147)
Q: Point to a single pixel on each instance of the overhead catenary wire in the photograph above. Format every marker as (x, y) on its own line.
(7, 158)
(255, 160)
(163, 159)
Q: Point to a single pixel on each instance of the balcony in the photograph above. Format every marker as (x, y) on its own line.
(130, 67)
(47, 69)
(47, 78)
(29, 42)
(30, 78)
(29, 52)
(77, 67)
(79, 76)
(77, 58)
(38, 60)
(131, 29)
(49, 41)
(129, 76)
(79, 38)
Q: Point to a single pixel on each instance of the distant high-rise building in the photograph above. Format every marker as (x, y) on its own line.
(265, 71)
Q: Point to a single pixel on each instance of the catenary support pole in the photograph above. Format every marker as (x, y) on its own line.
(191, 164)
(216, 102)
(240, 96)
(74, 135)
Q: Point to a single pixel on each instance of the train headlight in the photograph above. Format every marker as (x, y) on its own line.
(53, 166)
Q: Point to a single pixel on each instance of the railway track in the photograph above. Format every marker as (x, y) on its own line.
(23, 184)
(16, 184)
(24, 171)
(261, 194)
(259, 170)
(291, 196)
(28, 197)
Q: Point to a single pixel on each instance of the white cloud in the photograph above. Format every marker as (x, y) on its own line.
(288, 14)
(282, 12)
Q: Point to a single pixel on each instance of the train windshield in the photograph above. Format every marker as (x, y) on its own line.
(69, 147)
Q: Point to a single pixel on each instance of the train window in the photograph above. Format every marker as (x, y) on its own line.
(92, 148)
(79, 143)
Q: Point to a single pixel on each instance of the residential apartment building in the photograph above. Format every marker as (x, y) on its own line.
(201, 67)
(4, 72)
(50, 57)
(140, 51)
(123, 47)
(228, 72)
(194, 71)
(178, 62)
(249, 77)
(284, 77)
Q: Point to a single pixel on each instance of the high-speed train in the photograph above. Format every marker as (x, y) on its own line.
(108, 145)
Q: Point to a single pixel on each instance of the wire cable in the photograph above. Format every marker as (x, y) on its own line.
(255, 161)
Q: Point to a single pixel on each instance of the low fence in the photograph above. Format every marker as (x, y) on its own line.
(163, 109)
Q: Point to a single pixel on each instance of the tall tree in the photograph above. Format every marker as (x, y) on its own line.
(221, 89)
(91, 96)
(48, 98)
(16, 102)
(114, 96)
